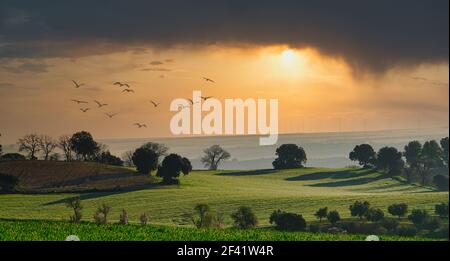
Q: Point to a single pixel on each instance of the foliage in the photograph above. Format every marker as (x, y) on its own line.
(172, 166)
(389, 223)
(123, 218)
(441, 209)
(101, 215)
(407, 231)
(145, 160)
(441, 182)
(389, 159)
(399, 210)
(321, 213)
(359, 209)
(244, 218)
(76, 206)
(333, 217)
(374, 214)
(144, 218)
(84, 145)
(214, 155)
(418, 217)
(364, 154)
(8, 183)
(431, 223)
(289, 156)
(288, 221)
(106, 157)
(12, 157)
(30, 143)
(444, 149)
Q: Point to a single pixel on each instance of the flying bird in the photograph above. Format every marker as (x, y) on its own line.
(110, 115)
(155, 103)
(120, 84)
(128, 90)
(205, 98)
(84, 109)
(100, 104)
(208, 80)
(140, 125)
(191, 101)
(79, 102)
(77, 85)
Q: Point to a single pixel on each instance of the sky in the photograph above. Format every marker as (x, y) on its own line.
(333, 66)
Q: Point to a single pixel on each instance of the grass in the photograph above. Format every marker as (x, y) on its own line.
(301, 191)
(58, 231)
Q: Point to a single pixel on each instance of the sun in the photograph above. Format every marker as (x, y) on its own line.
(289, 57)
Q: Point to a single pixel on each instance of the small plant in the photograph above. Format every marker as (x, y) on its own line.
(321, 213)
(418, 217)
(144, 217)
(374, 214)
(359, 209)
(244, 218)
(288, 221)
(399, 210)
(441, 210)
(75, 204)
(101, 215)
(333, 217)
(123, 219)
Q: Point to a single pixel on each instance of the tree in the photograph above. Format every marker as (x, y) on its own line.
(75, 204)
(441, 182)
(441, 209)
(159, 148)
(47, 144)
(127, 158)
(364, 154)
(101, 215)
(321, 213)
(288, 221)
(289, 156)
(418, 217)
(214, 155)
(413, 155)
(30, 143)
(64, 143)
(172, 166)
(244, 218)
(333, 217)
(145, 160)
(84, 145)
(359, 209)
(204, 219)
(431, 157)
(444, 149)
(374, 214)
(107, 158)
(399, 210)
(390, 160)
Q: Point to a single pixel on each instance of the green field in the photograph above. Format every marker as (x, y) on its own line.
(301, 191)
(57, 230)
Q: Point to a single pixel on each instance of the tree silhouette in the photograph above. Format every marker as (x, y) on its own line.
(172, 166)
(213, 156)
(31, 144)
(444, 148)
(84, 145)
(145, 160)
(390, 160)
(364, 154)
(289, 156)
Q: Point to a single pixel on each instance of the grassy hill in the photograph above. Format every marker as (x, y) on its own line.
(58, 176)
(302, 191)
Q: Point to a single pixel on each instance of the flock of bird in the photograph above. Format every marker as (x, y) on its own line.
(128, 90)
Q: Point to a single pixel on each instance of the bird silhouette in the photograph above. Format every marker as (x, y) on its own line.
(128, 90)
(120, 84)
(140, 125)
(155, 103)
(208, 80)
(77, 85)
(191, 101)
(100, 104)
(84, 109)
(110, 115)
(205, 98)
(79, 102)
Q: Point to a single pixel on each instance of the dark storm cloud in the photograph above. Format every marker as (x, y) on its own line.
(374, 35)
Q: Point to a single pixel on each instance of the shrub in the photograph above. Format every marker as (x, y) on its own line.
(12, 157)
(244, 218)
(123, 218)
(314, 228)
(359, 209)
(418, 217)
(431, 223)
(8, 183)
(406, 231)
(374, 214)
(101, 215)
(390, 224)
(321, 213)
(362, 228)
(144, 217)
(441, 209)
(399, 210)
(75, 204)
(288, 221)
(145, 160)
(172, 166)
(441, 182)
(333, 217)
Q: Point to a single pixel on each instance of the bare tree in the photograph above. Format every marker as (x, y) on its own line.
(127, 158)
(30, 143)
(65, 145)
(47, 145)
(213, 156)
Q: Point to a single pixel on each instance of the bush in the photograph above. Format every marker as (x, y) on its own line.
(8, 183)
(441, 209)
(418, 217)
(12, 157)
(205, 218)
(431, 223)
(145, 160)
(75, 204)
(359, 209)
(172, 166)
(406, 231)
(399, 210)
(333, 217)
(363, 228)
(374, 214)
(101, 215)
(314, 228)
(123, 218)
(441, 182)
(390, 224)
(321, 213)
(288, 221)
(144, 217)
(244, 218)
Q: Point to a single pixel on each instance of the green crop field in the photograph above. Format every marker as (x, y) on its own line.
(56, 230)
(301, 191)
